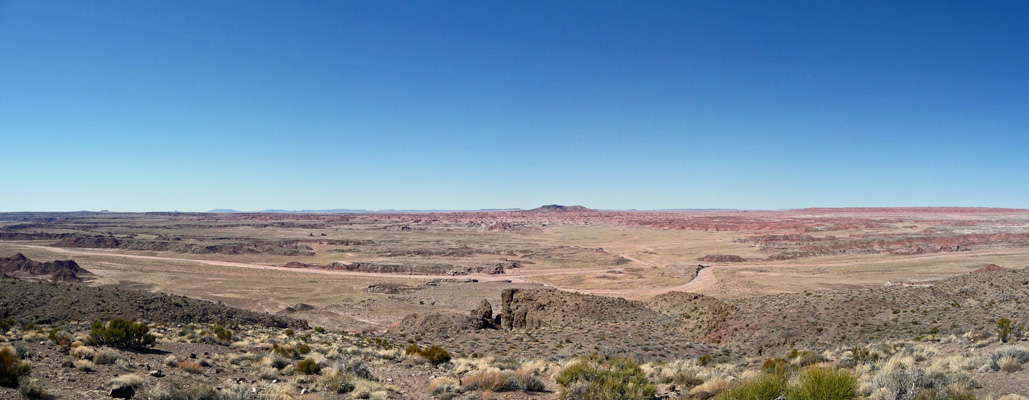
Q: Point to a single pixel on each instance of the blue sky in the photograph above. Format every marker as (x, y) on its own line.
(191, 106)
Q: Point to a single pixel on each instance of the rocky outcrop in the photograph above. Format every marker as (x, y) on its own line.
(57, 271)
(536, 308)
(722, 258)
(684, 303)
(299, 307)
(989, 268)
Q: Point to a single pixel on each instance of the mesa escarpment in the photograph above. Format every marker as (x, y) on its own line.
(422, 269)
(282, 247)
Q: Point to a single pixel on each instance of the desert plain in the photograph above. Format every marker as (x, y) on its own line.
(526, 291)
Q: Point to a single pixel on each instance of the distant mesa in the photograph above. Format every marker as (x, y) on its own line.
(557, 208)
(21, 267)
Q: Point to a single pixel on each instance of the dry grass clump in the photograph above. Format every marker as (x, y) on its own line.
(135, 381)
(444, 384)
(84, 365)
(171, 361)
(178, 391)
(191, 367)
(82, 352)
(106, 357)
(680, 372)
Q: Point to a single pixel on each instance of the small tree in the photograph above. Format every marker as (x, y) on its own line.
(122, 333)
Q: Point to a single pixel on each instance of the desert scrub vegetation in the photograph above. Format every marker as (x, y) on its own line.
(811, 383)
(1007, 328)
(308, 366)
(594, 378)
(1007, 359)
(436, 354)
(122, 333)
(12, 368)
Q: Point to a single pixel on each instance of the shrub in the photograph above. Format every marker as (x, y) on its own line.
(412, 348)
(106, 357)
(337, 381)
(436, 355)
(1005, 327)
(1009, 356)
(222, 334)
(595, 379)
(59, 337)
(33, 388)
(285, 351)
(122, 333)
(6, 325)
(308, 367)
(1009, 364)
(824, 384)
(355, 367)
(765, 387)
(11, 367)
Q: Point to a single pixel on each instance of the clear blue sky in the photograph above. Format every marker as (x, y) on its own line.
(180, 105)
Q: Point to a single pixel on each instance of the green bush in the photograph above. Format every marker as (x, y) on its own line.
(596, 379)
(436, 355)
(121, 333)
(6, 325)
(412, 348)
(11, 367)
(309, 367)
(765, 387)
(1005, 328)
(223, 334)
(818, 383)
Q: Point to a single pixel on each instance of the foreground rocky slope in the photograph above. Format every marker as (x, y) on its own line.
(41, 303)
(750, 327)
